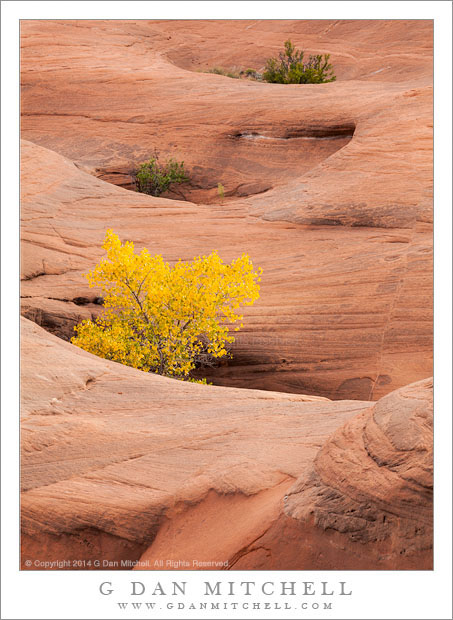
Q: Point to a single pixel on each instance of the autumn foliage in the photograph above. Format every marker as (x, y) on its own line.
(166, 319)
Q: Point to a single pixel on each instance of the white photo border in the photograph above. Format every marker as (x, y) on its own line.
(376, 594)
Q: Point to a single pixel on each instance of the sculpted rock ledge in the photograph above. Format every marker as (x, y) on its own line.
(120, 465)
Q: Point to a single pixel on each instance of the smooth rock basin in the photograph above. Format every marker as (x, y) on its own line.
(290, 154)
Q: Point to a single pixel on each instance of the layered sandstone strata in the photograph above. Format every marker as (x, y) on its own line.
(327, 187)
(121, 465)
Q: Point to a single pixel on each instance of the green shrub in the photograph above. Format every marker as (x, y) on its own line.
(155, 178)
(290, 68)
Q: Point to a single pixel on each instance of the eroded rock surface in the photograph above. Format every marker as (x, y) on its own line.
(108, 450)
(366, 501)
(327, 187)
(118, 464)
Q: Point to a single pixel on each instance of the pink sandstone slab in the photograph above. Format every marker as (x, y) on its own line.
(118, 464)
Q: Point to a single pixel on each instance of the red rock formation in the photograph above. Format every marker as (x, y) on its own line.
(344, 233)
(118, 464)
(328, 188)
(366, 502)
(107, 450)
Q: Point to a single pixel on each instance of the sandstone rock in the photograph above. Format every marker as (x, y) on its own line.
(343, 235)
(366, 502)
(108, 450)
(328, 188)
(118, 464)
(347, 315)
(59, 317)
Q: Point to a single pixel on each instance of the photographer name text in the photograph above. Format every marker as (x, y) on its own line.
(301, 590)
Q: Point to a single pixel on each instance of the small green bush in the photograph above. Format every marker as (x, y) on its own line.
(154, 177)
(289, 68)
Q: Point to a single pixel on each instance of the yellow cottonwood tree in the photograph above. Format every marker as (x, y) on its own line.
(161, 318)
